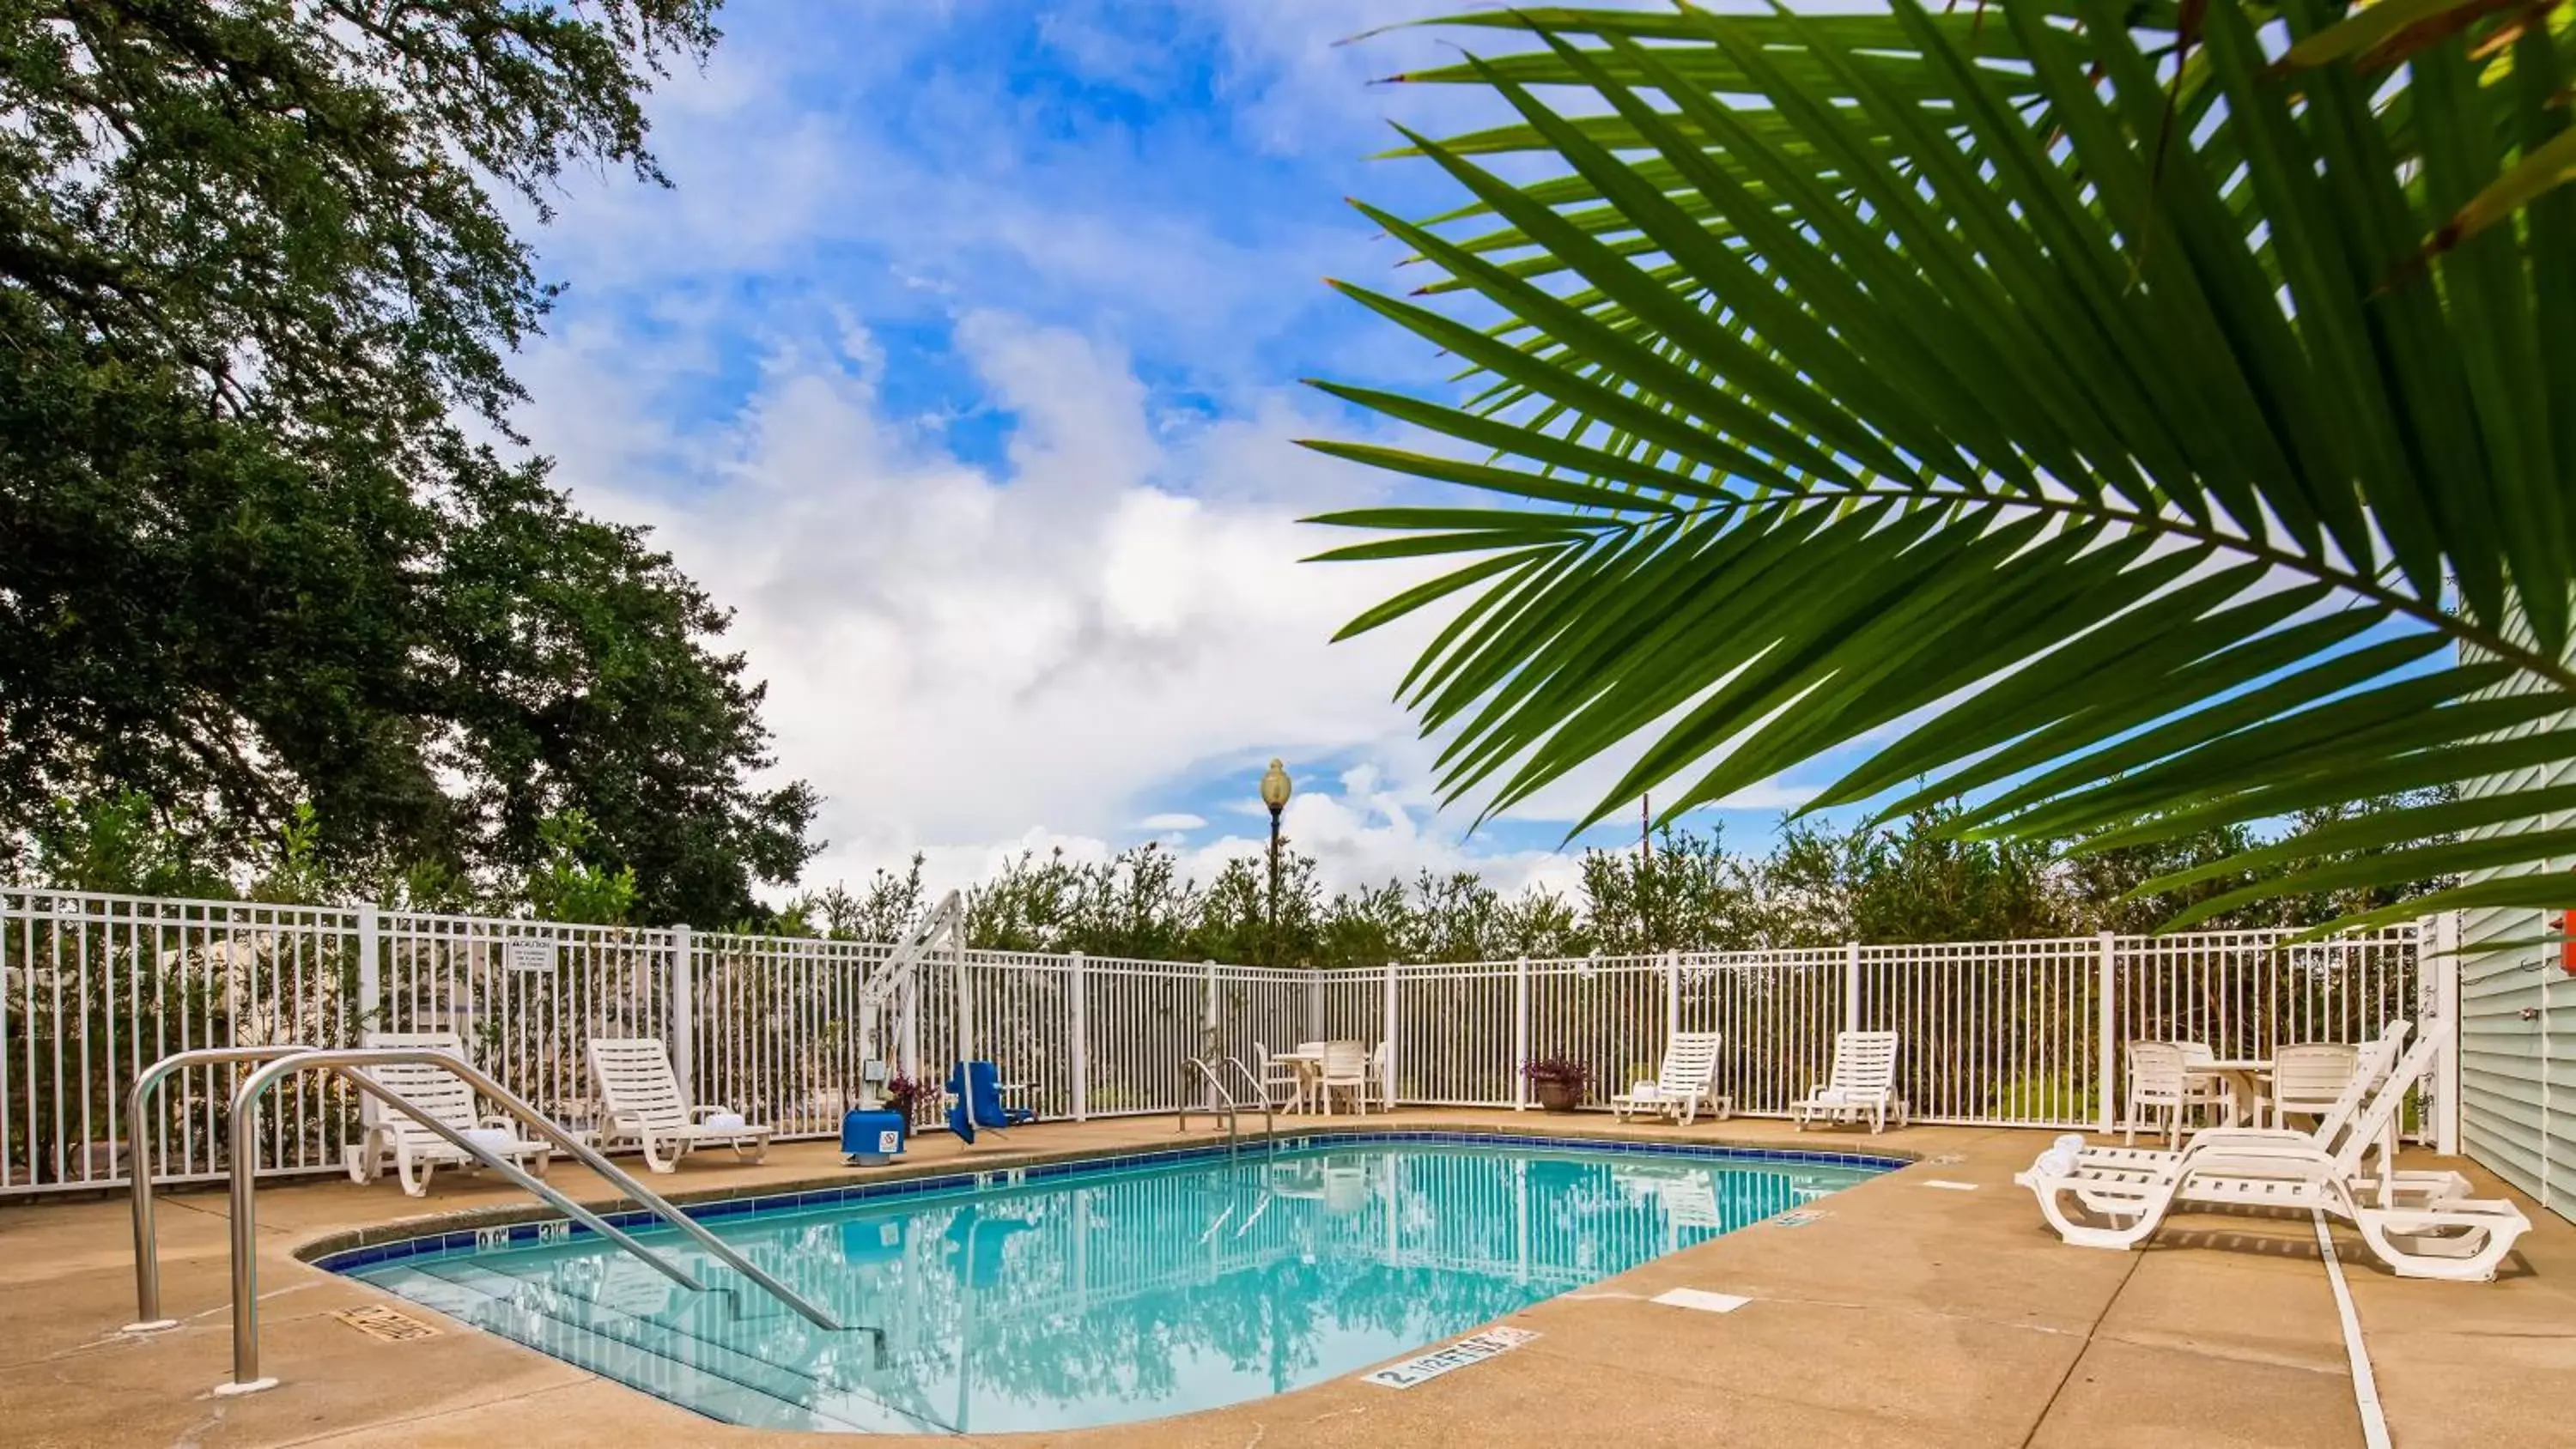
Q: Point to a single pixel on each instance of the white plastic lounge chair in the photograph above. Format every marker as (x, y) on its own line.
(1382, 1065)
(1687, 1082)
(641, 1098)
(1346, 1069)
(2422, 1224)
(2371, 1065)
(395, 1134)
(1863, 1083)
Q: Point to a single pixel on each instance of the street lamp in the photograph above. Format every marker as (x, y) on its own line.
(1274, 793)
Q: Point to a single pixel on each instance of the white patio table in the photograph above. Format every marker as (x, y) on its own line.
(2242, 1076)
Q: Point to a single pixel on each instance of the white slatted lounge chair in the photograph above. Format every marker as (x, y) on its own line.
(1687, 1082)
(395, 1135)
(641, 1098)
(1382, 1064)
(1862, 1084)
(2423, 1225)
(2371, 1064)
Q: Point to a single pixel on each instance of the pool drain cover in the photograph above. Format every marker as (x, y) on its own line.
(392, 1325)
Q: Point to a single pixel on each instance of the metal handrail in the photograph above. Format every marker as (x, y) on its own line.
(139, 1146)
(1269, 1123)
(1216, 1084)
(346, 1062)
(1233, 1109)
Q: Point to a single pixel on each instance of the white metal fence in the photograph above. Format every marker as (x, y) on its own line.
(93, 988)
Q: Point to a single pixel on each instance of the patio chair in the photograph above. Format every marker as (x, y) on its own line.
(1687, 1082)
(1346, 1069)
(1862, 1083)
(640, 1097)
(429, 1092)
(2159, 1083)
(2422, 1224)
(2307, 1078)
(1382, 1066)
(1277, 1075)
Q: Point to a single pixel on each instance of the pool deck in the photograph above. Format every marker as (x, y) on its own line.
(1902, 1313)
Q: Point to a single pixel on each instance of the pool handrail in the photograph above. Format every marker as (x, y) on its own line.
(1233, 1124)
(139, 1144)
(347, 1062)
(1269, 1124)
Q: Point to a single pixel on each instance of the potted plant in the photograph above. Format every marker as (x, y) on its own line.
(900, 1093)
(1559, 1081)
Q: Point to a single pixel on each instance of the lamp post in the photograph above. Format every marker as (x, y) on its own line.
(1274, 793)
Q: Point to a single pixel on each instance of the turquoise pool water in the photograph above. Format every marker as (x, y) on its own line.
(1102, 1295)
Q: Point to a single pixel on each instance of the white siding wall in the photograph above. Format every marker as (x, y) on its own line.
(2518, 1028)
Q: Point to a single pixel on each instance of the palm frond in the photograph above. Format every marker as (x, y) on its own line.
(1971, 382)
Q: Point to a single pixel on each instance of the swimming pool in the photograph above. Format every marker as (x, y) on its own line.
(1102, 1292)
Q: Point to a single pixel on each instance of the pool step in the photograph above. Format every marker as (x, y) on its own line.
(644, 1331)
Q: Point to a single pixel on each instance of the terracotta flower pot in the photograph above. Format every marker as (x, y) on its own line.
(1558, 1096)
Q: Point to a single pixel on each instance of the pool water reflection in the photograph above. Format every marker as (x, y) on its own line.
(1107, 1297)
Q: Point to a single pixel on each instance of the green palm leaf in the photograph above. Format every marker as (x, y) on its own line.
(1964, 384)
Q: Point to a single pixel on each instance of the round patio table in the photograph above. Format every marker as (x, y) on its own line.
(2242, 1076)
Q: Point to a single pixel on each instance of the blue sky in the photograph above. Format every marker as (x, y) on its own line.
(962, 361)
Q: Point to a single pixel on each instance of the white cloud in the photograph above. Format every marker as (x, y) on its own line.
(956, 654)
(1059, 648)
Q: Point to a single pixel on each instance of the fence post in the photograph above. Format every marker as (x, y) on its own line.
(2107, 1027)
(1389, 1039)
(2445, 967)
(1210, 1040)
(1851, 986)
(1520, 1034)
(1672, 992)
(371, 991)
(684, 996)
(1081, 1033)
(965, 1012)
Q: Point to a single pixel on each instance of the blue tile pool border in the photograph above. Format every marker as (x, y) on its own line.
(498, 1236)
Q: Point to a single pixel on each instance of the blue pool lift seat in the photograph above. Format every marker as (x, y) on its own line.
(975, 1100)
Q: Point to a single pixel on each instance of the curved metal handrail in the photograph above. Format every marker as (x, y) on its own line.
(138, 1148)
(1233, 1109)
(1269, 1123)
(346, 1062)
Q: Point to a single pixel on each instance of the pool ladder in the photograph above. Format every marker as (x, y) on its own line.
(1207, 1069)
(279, 1062)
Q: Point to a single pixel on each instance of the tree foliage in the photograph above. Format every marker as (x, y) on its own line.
(256, 283)
(1913, 881)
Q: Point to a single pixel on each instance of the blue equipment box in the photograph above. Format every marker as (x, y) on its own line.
(871, 1139)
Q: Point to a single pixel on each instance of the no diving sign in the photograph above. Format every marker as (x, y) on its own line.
(1474, 1348)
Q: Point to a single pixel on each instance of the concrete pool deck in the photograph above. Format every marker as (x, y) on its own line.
(1901, 1314)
